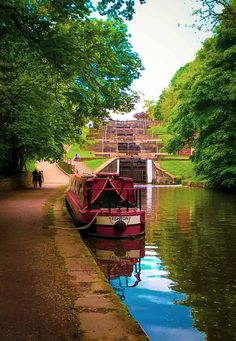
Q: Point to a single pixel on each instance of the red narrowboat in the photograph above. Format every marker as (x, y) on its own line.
(106, 205)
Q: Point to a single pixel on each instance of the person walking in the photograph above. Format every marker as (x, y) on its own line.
(35, 175)
(40, 178)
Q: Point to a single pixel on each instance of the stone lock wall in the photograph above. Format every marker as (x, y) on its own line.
(161, 177)
(111, 167)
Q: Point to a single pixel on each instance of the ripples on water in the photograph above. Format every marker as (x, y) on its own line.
(179, 283)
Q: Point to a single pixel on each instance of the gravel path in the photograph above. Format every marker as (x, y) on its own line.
(50, 286)
(34, 290)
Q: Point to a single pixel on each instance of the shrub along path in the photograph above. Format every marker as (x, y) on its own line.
(49, 286)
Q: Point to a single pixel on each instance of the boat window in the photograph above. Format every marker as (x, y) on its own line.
(73, 185)
(80, 193)
(107, 199)
(76, 186)
(110, 199)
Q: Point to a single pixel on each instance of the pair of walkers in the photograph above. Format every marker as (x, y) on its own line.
(37, 178)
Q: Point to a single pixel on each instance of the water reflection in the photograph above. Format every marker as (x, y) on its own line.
(188, 286)
(119, 260)
(195, 233)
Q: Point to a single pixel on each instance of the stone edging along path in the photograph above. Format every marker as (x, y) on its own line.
(101, 314)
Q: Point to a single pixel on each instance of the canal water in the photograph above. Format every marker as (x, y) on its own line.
(179, 281)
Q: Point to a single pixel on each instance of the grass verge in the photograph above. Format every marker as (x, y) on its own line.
(181, 169)
(64, 166)
(94, 164)
(75, 149)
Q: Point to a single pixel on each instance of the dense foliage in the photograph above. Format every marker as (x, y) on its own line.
(201, 103)
(59, 68)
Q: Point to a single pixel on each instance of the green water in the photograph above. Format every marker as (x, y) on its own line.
(186, 288)
(195, 231)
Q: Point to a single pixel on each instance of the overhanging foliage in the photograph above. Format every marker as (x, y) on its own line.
(59, 68)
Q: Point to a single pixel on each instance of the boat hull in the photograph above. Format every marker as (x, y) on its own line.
(110, 232)
(114, 223)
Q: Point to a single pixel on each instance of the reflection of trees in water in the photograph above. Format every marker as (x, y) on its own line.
(150, 200)
(202, 259)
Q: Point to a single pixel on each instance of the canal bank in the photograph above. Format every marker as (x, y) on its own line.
(51, 286)
(101, 314)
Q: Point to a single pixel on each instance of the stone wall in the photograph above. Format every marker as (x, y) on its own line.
(22, 180)
(161, 177)
(137, 170)
(110, 167)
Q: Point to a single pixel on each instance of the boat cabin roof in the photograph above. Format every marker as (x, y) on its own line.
(105, 184)
(103, 175)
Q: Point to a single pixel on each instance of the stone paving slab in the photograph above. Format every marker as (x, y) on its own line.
(102, 315)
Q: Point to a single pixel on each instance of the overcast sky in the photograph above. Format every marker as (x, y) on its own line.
(163, 42)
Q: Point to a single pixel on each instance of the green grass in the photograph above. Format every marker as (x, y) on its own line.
(75, 149)
(173, 157)
(63, 166)
(50, 214)
(94, 164)
(183, 169)
(164, 138)
(158, 130)
(161, 133)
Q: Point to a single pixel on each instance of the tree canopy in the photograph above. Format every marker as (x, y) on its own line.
(209, 12)
(202, 113)
(60, 66)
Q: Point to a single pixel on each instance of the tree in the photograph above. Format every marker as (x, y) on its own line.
(59, 69)
(118, 8)
(210, 12)
(149, 106)
(204, 115)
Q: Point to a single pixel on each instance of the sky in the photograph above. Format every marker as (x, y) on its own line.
(160, 36)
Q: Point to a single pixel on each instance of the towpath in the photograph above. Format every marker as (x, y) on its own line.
(81, 168)
(49, 285)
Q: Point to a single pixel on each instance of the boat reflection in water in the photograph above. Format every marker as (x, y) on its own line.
(119, 260)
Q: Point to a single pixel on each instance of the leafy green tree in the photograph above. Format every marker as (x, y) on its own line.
(168, 98)
(204, 115)
(59, 68)
(149, 106)
(118, 8)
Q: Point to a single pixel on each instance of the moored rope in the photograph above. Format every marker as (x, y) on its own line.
(76, 228)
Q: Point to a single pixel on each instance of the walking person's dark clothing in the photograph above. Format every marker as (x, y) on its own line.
(35, 175)
(40, 178)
